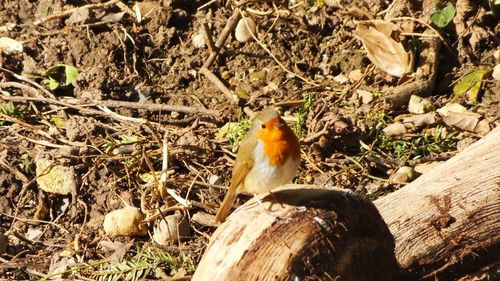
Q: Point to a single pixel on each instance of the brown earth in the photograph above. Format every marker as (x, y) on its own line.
(156, 61)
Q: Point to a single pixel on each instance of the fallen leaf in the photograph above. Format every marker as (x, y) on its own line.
(451, 107)
(423, 168)
(443, 17)
(355, 75)
(170, 229)
(482, 128)
(383, 50)
(470, 84)
(465, 121)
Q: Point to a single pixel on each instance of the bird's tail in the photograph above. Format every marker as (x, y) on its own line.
(225, 207)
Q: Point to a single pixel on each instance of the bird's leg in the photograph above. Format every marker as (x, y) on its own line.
(267, 210)
(275, 199)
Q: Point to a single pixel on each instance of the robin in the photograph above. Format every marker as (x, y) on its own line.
(268, 157)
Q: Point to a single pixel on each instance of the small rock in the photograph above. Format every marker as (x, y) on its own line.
(214, 179)
(128, 221)
(419, 105)
(198, 40)
(54, 178)
(244, 30)
(496, 55)
(496, 72)
(403, 174)
(355, 75)
(395, 129)
(341, 79)
(9, 45)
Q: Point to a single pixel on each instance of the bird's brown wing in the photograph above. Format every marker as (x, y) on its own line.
(243, 164)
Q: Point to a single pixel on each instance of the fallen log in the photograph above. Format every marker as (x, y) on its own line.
(446, 226)
(446, 223)
(311, 234)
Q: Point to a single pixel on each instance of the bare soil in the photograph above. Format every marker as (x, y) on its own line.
(156, 61)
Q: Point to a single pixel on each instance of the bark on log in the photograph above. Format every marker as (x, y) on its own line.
(311, 234)
(446, 225)
(447, 222)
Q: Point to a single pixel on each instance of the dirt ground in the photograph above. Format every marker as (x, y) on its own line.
(105, 126)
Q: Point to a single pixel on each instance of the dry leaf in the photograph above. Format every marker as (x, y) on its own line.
(383, 50)
(170, 229)
(451, 107)
(423, 168)
(465, 121)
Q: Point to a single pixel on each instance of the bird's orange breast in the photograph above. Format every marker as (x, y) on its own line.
(279, 144)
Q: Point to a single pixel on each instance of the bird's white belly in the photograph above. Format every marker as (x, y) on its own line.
(263, 176)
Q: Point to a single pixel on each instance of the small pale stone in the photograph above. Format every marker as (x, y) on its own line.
(403, 174)
(198, 40)
(355, 75)
(9, 45)
(496, 72)
(128, 221)
(395, 129)
(341, 79)
(54, 178)
(419, 105)
(242, 33)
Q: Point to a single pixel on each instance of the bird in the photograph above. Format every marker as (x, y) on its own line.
(268, 156)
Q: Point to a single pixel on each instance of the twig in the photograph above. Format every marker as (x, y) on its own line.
(314, 136)
(158, 107)
(206, 5)
(164, 166)
(71, 11)
(208, 37)
(230, 26)
(78, 105)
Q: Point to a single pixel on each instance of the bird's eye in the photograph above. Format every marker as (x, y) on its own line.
(263, 126)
